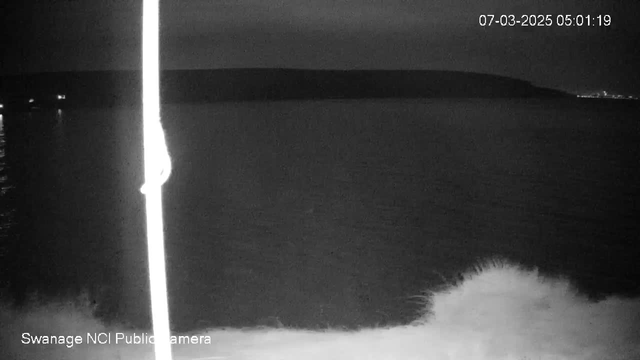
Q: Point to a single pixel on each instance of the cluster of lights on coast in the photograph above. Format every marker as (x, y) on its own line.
(606, 95)
(597, 95)
(32, 103)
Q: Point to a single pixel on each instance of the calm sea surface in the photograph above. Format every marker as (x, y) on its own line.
(319, 212)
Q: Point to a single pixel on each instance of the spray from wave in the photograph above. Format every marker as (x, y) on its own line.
(497, 311)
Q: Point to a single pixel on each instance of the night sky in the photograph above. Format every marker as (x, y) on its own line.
(68, 35)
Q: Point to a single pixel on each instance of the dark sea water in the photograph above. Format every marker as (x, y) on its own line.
(319, 212)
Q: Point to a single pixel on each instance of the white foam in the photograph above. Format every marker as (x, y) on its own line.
(498, 311)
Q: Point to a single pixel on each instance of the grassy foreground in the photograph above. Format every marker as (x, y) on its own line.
(498, 311)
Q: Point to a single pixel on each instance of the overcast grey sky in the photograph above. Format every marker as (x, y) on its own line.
(61, 35)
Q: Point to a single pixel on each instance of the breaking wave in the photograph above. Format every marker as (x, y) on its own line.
(498, 310)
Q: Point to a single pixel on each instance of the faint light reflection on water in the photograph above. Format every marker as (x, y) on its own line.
(5, 183)
(6, 210)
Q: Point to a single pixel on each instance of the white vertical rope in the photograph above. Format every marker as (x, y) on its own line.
(157, 167)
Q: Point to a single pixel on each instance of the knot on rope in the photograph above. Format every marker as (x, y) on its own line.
(161, 161)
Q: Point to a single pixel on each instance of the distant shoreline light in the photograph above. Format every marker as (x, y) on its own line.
(606, 95)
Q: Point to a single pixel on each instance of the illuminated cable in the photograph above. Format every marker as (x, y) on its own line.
(157, 167)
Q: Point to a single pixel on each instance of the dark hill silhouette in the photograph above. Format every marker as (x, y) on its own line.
(108, 88)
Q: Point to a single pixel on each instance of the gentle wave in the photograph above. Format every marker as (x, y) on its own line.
(498, 310)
